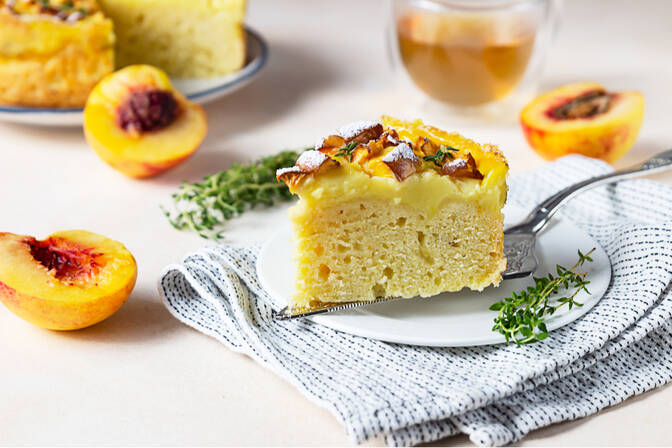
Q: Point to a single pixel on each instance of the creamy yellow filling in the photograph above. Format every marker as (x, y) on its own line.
(424, 191)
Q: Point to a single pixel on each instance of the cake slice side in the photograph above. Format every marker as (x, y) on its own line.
(194, 39)
(387, 216)
(362, 250)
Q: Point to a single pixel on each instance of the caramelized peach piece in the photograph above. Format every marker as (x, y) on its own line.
(139, 124)
(360, 131)
(583, 118)
(402, 161)
(465, 168)
(70, 280)
(311, 162)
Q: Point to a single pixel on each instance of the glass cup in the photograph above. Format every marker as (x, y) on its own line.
(471, 53)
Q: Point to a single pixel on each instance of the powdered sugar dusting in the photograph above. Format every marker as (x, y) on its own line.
(392, 140)
(311, 160)
(320, 143)
(401, 152)
(457, 163)
(291, 169)
(352, 130)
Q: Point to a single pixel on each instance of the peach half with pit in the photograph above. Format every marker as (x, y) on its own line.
(583, 118)
(139, 124)
(70, 280)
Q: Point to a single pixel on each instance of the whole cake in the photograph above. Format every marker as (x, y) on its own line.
(52, 52)
(396, 209)
(187, 39)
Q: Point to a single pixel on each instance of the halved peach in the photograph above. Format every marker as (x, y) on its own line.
(70, 280)
(583, 118)
(139, 124)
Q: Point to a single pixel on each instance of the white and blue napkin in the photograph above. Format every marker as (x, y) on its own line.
(496, 394)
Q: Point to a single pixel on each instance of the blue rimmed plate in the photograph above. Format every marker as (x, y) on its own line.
(201, 90)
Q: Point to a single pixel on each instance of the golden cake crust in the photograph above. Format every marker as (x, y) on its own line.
(53, 54)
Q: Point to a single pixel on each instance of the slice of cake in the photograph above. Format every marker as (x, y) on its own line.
(187, 39)
(396, 209)
(52, 52)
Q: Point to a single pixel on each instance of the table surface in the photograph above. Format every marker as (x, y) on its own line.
(141, 377)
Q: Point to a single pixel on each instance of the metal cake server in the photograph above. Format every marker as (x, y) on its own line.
(520, 239)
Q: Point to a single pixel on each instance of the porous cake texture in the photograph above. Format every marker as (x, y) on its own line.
(187, 39)
(52, 52)
(396, 209)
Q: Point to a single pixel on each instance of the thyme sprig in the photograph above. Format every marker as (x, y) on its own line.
(521, 318)
(347, 151)
(202, 207)
(440, 155)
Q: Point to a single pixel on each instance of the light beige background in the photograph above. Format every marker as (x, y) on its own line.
(143, 378)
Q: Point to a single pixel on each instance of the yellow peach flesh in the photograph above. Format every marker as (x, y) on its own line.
(48, 298)
(148, 153)
(607, 135)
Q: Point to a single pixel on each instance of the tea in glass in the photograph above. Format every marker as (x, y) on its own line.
(467, 53)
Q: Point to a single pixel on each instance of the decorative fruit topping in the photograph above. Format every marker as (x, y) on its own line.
(462, 168)
(396, 150)
(583, 118)
(427, 147)
(70, 280)
(402, 161)
(139, 124)
(310, 162)
(330, 141)
(360, 131)
(69, 11)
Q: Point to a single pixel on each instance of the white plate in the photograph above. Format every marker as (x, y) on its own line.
(449, 319)
(201, 90)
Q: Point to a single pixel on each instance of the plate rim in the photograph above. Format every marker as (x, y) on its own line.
(325, 319)
(246, 72)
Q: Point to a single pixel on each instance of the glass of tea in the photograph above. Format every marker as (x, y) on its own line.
(471, 52)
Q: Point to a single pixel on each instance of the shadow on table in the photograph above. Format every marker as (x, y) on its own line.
(138, 319)
(69, 136)
(293, 73)
(204, 162)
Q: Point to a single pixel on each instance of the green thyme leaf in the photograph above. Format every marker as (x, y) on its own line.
(521, 316)
(440, 156)
(347, 151)
(202, 207)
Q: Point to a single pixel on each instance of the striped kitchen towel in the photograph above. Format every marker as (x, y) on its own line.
(496, 394)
